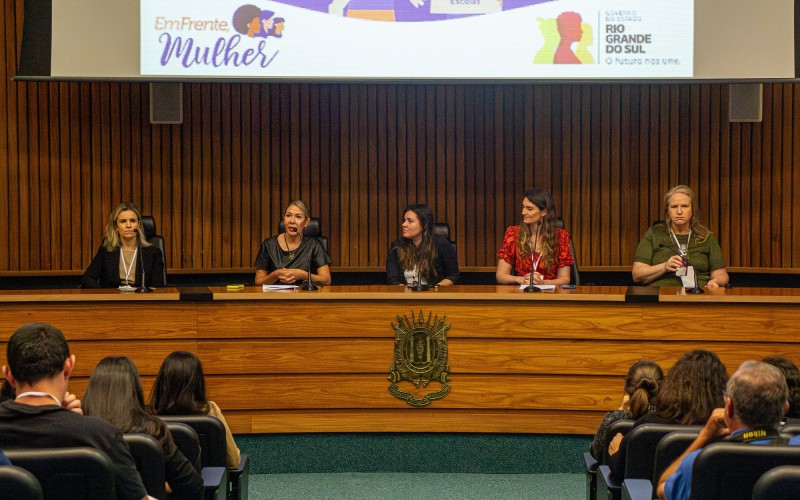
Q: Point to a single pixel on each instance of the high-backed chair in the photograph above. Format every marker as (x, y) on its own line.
(314, 228)
(443, 229)
(17, 483)
(598, 481)
(730, 470)
(149, 228)
(574, 273)
(780, 483)
(215, 479)
(668, 449)
(68, 473)
(642, 442)
(149, 457)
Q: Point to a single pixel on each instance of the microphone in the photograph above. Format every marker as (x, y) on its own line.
(144, 288)
(531, 287)
(696, 289)
(309, 285)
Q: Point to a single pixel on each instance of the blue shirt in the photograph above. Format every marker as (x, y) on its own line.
(679, 485)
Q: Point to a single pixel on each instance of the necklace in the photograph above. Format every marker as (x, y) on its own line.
(291, 252)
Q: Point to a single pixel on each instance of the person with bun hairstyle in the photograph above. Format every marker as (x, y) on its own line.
(641, 385)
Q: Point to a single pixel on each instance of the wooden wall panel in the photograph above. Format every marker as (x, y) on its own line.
(358, 153)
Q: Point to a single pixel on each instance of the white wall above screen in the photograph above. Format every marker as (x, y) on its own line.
(97, 39)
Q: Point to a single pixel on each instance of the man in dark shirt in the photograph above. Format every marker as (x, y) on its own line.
(39, 367)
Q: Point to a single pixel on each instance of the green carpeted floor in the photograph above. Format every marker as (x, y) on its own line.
(417, 486)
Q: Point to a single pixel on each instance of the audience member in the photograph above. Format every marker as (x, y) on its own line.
(792, 376)
(39, 367)
(755, 402)
(180, 389)
(114, 393)
(689, 393)
(641, 386)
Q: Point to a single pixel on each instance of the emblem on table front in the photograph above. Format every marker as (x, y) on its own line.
(420, 357)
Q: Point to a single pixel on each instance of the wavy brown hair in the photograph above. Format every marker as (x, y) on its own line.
(694, 386)
(547, 233)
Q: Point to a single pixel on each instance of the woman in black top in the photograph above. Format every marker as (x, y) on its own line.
(285, 258)
(420, 256)
(124, 254)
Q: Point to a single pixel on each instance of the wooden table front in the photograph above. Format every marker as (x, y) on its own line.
(293, 361)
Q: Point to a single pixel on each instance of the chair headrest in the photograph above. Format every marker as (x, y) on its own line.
(441, 229)
(148, 226)
(314, 228)
(559, 223)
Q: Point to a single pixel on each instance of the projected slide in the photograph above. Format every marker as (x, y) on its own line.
(418, 39)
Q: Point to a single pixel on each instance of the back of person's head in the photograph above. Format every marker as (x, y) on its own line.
(792, 376)
(114, 393)
(694, 386)
(642, 383)
(759, 393)
(36, 351)
(180, 386)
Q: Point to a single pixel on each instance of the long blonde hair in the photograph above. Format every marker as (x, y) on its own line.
(701, 232)
(112, 240)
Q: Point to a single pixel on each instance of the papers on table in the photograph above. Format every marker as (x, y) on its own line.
(270, 288)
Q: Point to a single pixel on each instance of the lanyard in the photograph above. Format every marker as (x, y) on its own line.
(39, 394)
(682, 251)
(125, 267)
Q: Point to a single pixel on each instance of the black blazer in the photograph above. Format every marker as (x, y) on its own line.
(103, 272)
(445, 265)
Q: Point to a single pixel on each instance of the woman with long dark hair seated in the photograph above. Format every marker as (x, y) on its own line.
(420, 256)
(180, 389)
(114, 393)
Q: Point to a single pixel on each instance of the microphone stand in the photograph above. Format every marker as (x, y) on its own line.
(696, 289)
(144, 288)
(419, 287)
(309, 285)
(531, 287)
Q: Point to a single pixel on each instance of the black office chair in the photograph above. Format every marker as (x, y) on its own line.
(313, 229)
(215, 478)
(211, 434)
(642, 443)
(574, 273)
(149, 458)
(730, 470)
(606, 486)
(780, 483)
(68, 473)
(149, 227)
(17, 483)
(443, 229)
(668, 449)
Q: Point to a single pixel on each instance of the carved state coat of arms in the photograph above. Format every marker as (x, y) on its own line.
(420, 357)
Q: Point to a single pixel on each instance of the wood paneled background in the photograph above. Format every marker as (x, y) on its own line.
(358, 153)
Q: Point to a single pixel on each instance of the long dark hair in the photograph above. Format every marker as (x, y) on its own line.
(421, 258)
(547, 233)
(180, 386)
(641, 384)
(114, 393)
(694, 386)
